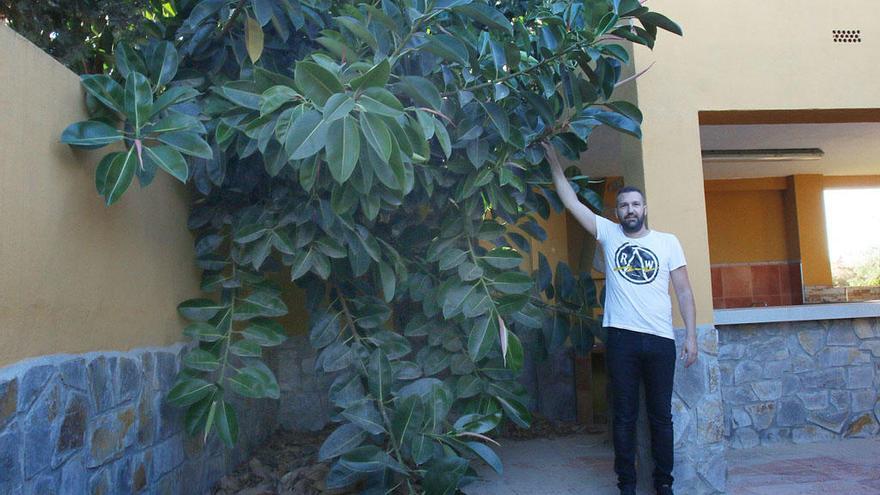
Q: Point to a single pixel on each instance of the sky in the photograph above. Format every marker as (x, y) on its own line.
(852, 218)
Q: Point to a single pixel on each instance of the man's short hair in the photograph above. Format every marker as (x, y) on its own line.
(629, 189)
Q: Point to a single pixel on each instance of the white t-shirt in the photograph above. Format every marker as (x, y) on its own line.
(637, 278)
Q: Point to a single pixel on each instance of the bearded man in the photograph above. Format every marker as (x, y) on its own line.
(639, 265)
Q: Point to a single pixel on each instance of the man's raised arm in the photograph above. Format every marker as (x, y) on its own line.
(584, 215)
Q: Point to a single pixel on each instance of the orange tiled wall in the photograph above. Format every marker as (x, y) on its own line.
(741, 285)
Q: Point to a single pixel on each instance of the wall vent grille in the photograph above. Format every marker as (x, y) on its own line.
(847, 35)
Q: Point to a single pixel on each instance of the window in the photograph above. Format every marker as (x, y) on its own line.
(852, 218)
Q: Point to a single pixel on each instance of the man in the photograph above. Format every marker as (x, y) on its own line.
(639, 264)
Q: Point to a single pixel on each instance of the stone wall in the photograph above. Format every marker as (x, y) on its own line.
(305, 403)
(800, 381)
(98, 423)
(698, 431)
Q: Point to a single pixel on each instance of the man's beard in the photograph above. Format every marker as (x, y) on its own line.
(631, 227)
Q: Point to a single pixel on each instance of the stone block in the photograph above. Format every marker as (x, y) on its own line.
(100, 373)
(776, 369)
(45, 483)
(707, 341)
(8, 401)
(128, 380)
(877, 411)
(864, 329)
(863, 400)
(747, 371)
(791, 412)
(842, 356)
(815, 400)
(745, 438)
(772, 349)
(32, 382)
(712, 466)
(38, 428)
(171, 483)
(141, 473)
(812, 341)
(10, 459)
(739, 395)
(767, 389)
(740, 418)
(681, 419)
(101, 482)
(860, 377)
(710, 421)
(863, 426)
(762, 414)
(73, 374)
(831, 419)
(732, 351)
(823, 379)
(839, 399)
(146, 409)
(810, 434)
(841, 333)
(791, 384)
(148, 370)
(772, 436)
(111, 434)
(872, 346)
(166, 371)
(726, 370)
(71, 434)
(74, 477)
(168, 455)
(802, 362)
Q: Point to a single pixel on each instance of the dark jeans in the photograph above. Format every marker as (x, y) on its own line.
(634, 358)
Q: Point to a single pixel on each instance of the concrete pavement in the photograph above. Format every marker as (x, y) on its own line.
(583, 465)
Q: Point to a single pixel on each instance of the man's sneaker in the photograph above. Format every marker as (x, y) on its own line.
(664, 490)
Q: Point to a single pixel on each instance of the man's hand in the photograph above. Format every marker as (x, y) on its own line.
(689, 351)
(566, 194)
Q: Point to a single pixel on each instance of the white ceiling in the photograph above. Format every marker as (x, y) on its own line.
(850, 149)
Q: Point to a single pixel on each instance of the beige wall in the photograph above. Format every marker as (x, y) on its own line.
(743, 55)
(76, 276)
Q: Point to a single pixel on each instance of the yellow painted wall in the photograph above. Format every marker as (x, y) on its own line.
(739, 56)
(76, 276)
(812, 235)
(747, 226)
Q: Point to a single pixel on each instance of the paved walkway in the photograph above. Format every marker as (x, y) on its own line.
(582, 464)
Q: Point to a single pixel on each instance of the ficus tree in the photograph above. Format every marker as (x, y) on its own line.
(388, 158)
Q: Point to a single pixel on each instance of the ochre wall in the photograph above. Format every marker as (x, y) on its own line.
(748, 61)
(746, 226)
(77, 276)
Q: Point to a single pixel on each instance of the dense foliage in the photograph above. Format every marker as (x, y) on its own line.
(387, 157)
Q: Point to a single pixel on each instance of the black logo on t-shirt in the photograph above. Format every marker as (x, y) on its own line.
(636, 264)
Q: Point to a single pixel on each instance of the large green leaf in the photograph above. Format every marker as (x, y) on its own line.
(90, 134)
(105, 89)
(189, 390)
(483, 337)
(377, 76)
(316, 82)
(307, 136)
(119, 174)
(343, 440)
(266, 332)
(485, 14)
(422, 91)
(380, 376)
(448, 47)
(199, 309)
(226, 422)
(377, 135)
(513, 282)
(188, 143)
(138, 100)
(503, 258)
(343, 148)
(169, 160)
(201, 360)
(163, 62)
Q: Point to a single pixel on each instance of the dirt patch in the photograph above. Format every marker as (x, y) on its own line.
(288, 463)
